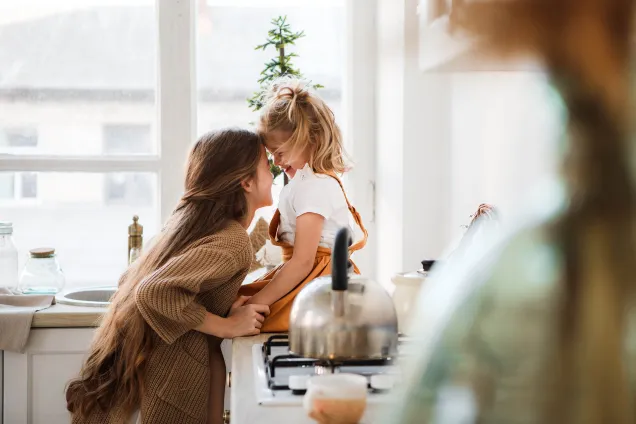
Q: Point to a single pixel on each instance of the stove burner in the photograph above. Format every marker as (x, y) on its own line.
(309, 367)
(321, 369)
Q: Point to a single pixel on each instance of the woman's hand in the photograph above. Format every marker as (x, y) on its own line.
(245, 320)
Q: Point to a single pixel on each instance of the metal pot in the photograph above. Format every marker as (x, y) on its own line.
(343, 316)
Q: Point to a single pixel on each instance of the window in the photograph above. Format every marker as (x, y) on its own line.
(18, 137)
(127, 139)
(81, 147)
(222, 95)
(122, 188)
(128, 189)
(7, 186)
(78, 152)
(28, 185)
(16, 186)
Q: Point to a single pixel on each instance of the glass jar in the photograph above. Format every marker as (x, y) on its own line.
(8, 258)
(42, 273)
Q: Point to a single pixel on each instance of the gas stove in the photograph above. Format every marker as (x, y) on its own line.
(280, 378)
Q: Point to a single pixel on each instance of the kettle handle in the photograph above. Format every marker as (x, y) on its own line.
(340, 260)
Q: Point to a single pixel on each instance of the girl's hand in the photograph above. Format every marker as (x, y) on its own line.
(245, 320)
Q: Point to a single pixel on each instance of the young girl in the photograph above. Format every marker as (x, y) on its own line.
(301, 133)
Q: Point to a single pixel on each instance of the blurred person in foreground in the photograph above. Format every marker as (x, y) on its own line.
(542, 327)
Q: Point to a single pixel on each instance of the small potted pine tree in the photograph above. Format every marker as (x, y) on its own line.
(279, 37)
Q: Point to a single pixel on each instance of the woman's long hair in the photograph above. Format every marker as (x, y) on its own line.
(113, 375)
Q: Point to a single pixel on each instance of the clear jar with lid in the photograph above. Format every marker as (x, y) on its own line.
(42, 273)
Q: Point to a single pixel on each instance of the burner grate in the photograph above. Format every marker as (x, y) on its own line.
(275, 364)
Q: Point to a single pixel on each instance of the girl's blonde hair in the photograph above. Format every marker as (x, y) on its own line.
(291, 106)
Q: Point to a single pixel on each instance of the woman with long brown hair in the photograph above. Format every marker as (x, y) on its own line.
(545, 331)
(162, 333)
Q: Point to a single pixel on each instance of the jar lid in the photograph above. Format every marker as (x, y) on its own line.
(42, 252)
(6, 227)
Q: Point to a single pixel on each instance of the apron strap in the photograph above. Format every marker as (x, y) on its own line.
(356, 217)
(275, 222)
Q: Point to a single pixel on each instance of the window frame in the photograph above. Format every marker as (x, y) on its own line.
(176, 111)
(175, 107)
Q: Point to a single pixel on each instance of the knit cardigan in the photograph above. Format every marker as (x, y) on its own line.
(173, 300)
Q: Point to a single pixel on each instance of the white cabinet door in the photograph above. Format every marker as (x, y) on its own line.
(34, 381)
(226, 348)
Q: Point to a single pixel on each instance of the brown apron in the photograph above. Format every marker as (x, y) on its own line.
(278, 319)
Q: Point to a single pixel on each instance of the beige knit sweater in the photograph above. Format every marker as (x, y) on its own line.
(173, 301)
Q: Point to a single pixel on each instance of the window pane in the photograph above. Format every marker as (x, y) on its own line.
(73, 214)
(7, 186)
(19, 137)
(71, 70)
(229, 68)
(29, 185)
(126, 139)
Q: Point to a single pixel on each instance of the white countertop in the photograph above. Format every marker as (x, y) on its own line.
(244, 406)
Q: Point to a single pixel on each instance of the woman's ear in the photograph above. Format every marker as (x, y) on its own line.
(248, 185)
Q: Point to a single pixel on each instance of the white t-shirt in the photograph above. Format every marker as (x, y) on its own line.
(321, 194)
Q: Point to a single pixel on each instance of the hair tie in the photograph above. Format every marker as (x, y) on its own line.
(285, 92)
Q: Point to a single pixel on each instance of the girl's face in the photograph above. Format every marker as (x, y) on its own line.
(259, 189)
(276, 141)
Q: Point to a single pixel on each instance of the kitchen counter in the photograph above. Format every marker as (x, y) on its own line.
(60, 315)
(245, 407)
(67, 316)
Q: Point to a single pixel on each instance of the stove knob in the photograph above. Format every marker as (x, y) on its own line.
(382, 382)
(226, 417)
(298, 382)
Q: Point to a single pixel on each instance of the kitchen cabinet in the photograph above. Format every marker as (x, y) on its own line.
(34, 382)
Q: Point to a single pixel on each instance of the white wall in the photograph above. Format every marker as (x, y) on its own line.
(505, 135)
(359, 116)
(448, 142)
(413, 146)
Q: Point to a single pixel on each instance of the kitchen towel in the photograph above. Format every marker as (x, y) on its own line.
(16, 315)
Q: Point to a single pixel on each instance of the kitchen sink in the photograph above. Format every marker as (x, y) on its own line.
(98, 296)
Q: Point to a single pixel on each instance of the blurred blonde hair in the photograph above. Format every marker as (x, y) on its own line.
(291, 106)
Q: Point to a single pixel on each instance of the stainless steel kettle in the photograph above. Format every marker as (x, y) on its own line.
(343, 316)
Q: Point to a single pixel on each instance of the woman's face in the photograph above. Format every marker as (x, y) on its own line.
(259, 190)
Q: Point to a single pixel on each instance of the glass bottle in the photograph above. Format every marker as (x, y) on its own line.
(8, 258)
(42, 273)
